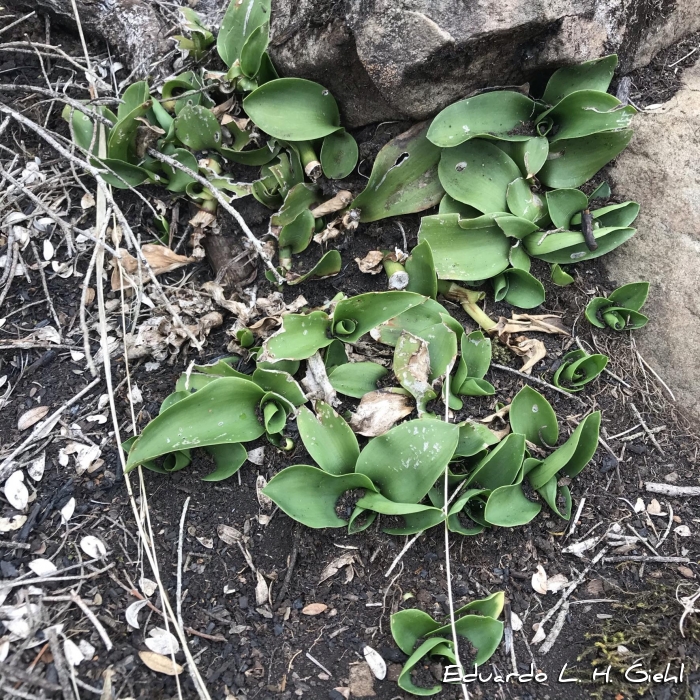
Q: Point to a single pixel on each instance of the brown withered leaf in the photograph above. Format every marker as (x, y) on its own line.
(333, 567)
(340, 201)
(160, 663)
(372, 262)
(522, 323)
(530, 349)
(160, 258)
(379, 411)
(314, 609)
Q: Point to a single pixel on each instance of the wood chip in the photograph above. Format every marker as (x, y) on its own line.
(160, 663)
(32, 416)
(314, 609)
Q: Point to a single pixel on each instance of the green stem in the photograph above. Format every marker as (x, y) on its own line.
(467, 298)
(286, 258)
(395, 271)
(309, 160)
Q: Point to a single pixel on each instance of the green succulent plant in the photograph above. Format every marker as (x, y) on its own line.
(577, 369)
(620, 310)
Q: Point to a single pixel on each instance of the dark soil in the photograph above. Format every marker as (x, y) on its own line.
(244, 650)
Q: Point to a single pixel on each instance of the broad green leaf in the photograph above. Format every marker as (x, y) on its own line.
(327, 266)
(241, 20)
(509, 507)
(621, 319)
(181, 85)
(221, 412)
(475, 358)
(564, 204)
(484, 633)
(500, 113)
(591, 75)
(464, 505)
(298, 200)
(171, 400)
(465, 254)
(529, 155)
(473, 438)
(525, 202)
(338, 155)
(572, 162)
(335, 356)
(560, 277)
(572, 456)
(197, 128)
(275, 410)
(408, 626)
(254, 48)
(448, 205)
(491, 606)
(603, 191)
(416, 516)
(419, 320)
(177, 180)
(134, 96)
(522, 289)
(405, 462)
(358, 315)
(297, 234)
(293, 109)
(500, 466)
(578, 369)
(614, 215)
(309, 494)
(194, 382)
(531, 415)
(593, 309)
(412, 368)
(631, 296)
(228, 457)
(122, 175)
(552, 493)
(519, 258)
(254, 156)
(222, 368)
(300, 337)
(584, 113)
(122, 137)
(281, 383)
(328, 439)
(515, 226)
(569, 247)
(404, 681)
(267, 70)
(404, 178)
(420, 267)
(478, 173)
(356, 378)
(84, 130)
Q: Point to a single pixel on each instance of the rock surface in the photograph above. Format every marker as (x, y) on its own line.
(659, 169)
(406, 59)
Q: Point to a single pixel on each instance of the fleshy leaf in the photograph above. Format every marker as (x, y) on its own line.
(228, 457)
(529, 155)
(473, 438)
(465, 254)
(293, 109)
(356, 378)
(500, 466)
(532, 416)
(404, 681)
(560, 277)
(499, 113)
(240, 21)
(622, 214)
(591, 75)
(478, 173)
(297, 234)
(328, 439)
(521, 289)
(408, 626)
(327, 266)
(569, 247)
(300, 337)
(309, 494)
(420, 267)
(221, 412)
(197, 128)
(571, 162)
(358, 315)
(404, 178)
(448, 205)
(338, 155)
(631, 296)
(254, 48)
(280, 382)
(577, 369)
(564, 204)
(572, 456)
(412, 368)
(524, 202)
(484, 633)
(406, 461)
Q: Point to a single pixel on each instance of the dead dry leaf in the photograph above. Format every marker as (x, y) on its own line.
(264, 500)
(12, 523)
(316, 382)
(685, 571)
(333, 567)
(372, 262)
(539, 580)
(42, 567)
(132, 613)
(16, 492)
(160, 663)
(556, 583)
(32, 416)
(93, 547)
(522, 323)
(314, 609)
(160, 259)
(229, 535)
(340, 201)
(261, 591)
(540, 634)
(530, 349)
(162, 642)
(375, 662)
(379, 411)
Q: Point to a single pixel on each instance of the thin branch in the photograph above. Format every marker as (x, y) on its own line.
(541, 382)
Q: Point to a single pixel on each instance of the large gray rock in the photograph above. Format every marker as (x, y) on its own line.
(398, 59)
(659, 170)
